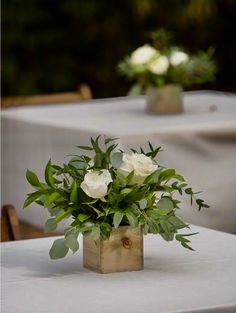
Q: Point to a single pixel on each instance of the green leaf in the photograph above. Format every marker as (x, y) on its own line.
(179, 177)
(116, 159)
(189, 191)
(181, 238)
(50, 225)
(153, 226)
(74, 192)
(32, 178)
(62, 215)
(125, 191)
(83, 217)
(142, 204)
(59, 249)
(150, 146)
(107, 140)
(72, 241)
(49, 175)
(95, 233)
(85, 148)
(165, 204)
(106, 230)
(177, 222)
(54, 210)
(167, 174)
(132, 219)
(145, 229)
(33, 196)
(95, 145)
(51, 199)
(167, 236)
(117, 218)
(153, 178)
(129, 177)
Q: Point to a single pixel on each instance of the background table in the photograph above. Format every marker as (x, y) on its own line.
(173, 280)
(200, 144)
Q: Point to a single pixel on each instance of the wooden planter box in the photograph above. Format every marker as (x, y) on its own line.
(164, 100)
(122, 252)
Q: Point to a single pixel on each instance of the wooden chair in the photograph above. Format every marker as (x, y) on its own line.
(10, 227)
(13, 229)
(83, 93)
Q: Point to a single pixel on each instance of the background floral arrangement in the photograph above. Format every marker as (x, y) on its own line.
(110, 189)
(163, 64)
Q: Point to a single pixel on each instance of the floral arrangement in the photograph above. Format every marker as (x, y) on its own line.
(106, 188)
(163, 64)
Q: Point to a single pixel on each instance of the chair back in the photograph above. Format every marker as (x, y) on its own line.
(10, 228)
(83, 93)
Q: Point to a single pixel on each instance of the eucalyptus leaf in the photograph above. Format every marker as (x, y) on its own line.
(50, 225)
(165, 204)
(142, 204)
(95, 233)
(151, 205)
(59, 249)
(116, 159)
(72, 241)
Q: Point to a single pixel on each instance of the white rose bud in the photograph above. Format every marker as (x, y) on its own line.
(139, 163)
(178, 57)
(159, 66)
(143, 55)
(95, 183)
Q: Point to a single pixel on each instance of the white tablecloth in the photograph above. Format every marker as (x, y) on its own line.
(200, 144)
(173, 279)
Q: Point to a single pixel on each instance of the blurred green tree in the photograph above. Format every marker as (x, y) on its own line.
(53, 45)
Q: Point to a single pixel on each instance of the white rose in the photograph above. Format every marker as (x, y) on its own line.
(139, 163)
(95, 183)
(159, 65)
(126, 166)
(143, 55)
(178, 57)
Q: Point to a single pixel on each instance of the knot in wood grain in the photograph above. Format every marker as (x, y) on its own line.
(127, 244)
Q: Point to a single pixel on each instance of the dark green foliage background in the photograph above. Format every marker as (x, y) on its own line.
(53, 45)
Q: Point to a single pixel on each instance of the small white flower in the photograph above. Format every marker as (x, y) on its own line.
(143, 55)
(139, 163)
(95, 183)
(178, 57)
(159, 66)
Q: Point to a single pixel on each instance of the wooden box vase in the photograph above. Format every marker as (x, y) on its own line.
(122, 252)
(164, 100)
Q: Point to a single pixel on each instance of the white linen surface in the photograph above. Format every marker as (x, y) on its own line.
(173, 280)
(200, 144)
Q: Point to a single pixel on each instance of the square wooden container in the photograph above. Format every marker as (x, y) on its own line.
(122, 252)
(165, 100)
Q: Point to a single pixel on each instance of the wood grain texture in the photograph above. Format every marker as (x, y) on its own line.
(122, 252)
(14, 229)
(164, 100)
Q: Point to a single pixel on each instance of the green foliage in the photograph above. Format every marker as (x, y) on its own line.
(149, 204)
